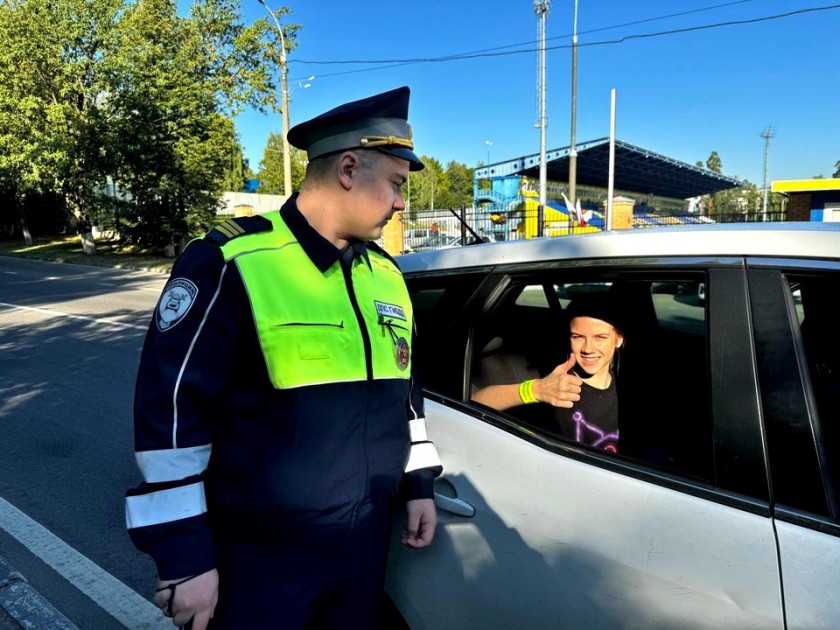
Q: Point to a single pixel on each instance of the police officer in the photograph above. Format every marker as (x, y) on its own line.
(276, 415)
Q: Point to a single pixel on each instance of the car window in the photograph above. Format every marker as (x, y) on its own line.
(814, 297)
(661, 371)
(441, 307)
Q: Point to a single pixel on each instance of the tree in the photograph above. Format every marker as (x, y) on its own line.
(270, 174)
(236, 173)
(52, 131)
(128, 90)
(460, 178)
(427, 187)
(837, 169)
(714, 163)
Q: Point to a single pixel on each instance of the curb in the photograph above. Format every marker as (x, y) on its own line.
(23, 608)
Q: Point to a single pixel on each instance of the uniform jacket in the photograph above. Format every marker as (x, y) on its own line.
(275, 400)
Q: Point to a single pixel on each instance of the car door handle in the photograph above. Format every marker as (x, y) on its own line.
(454, 505)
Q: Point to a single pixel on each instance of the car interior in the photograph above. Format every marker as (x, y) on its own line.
(661, 371)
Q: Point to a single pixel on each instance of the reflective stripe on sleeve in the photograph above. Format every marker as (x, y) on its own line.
(418, 430)
(423, 455)
(165, 506)
(172, 464)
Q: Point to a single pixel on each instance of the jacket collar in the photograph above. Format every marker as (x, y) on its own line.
(321, 252)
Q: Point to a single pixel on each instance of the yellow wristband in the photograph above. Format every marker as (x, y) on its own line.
(526, 392)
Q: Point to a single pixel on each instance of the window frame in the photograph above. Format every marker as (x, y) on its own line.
(740, 481)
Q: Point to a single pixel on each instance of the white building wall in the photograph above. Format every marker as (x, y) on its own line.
(259, 202)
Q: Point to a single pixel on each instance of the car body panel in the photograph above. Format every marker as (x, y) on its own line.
(548, 534)
(620, 552)
(811, 568)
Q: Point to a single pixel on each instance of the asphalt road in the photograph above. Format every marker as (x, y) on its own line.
(70, 340)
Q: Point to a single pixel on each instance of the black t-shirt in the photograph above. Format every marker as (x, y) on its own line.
(594, 418)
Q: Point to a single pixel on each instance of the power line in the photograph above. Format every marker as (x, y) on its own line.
(393, 63)
(594, 30)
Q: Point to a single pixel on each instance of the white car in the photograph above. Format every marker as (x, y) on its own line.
(722, 509)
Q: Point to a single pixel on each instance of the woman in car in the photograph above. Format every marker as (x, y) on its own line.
(583, 389)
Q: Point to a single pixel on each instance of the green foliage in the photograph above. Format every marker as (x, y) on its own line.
(714, 163)
(837, 169)
(127, 91)
(436, 187)
(460, 178)
(270, 174)
(236, 171)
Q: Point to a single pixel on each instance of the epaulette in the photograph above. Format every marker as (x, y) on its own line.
(240, 226)
(375, 247)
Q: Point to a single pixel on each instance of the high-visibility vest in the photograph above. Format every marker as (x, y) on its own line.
(307, 321)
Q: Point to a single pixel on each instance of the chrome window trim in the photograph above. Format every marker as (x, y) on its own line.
(801, 518)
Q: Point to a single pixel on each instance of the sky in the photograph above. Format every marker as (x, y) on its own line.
(682, 94)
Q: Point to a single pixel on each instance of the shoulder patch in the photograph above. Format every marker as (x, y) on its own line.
(240, 226)
(176, 301)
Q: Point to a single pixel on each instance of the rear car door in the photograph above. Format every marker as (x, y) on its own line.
(798, 352)
(539, 532)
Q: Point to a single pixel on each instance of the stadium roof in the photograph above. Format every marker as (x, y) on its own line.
(636, 170)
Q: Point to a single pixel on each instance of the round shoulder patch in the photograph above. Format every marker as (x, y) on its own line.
(176, 301)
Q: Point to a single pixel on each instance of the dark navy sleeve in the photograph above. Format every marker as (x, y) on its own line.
(183, 368)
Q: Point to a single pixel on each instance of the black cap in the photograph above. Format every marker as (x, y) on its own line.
(594, 305)
(377, 122)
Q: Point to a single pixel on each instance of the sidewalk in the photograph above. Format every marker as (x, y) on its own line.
(22, 607)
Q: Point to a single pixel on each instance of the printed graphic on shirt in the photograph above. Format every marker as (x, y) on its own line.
(390, 310)
(178, 297)
(593, 435)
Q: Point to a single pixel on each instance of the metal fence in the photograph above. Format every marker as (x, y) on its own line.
(439, 229)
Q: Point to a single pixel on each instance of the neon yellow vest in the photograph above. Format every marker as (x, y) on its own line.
(307, 327)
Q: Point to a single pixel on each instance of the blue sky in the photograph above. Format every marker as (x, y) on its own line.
(683, 95)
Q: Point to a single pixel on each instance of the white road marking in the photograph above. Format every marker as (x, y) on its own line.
(12, 273)
(44, 311)
(123, 604)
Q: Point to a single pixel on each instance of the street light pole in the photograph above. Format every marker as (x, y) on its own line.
(488, 143)
(284, 95)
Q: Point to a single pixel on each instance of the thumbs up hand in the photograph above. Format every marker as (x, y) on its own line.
(561, 388)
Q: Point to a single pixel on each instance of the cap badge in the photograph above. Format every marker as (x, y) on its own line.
(370, 142)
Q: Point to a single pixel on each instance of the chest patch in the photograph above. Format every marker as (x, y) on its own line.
(390, 310)
(178, 297)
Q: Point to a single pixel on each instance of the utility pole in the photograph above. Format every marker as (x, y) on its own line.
(541, 9)
(284, 95)
(572, 147)
(769, 132)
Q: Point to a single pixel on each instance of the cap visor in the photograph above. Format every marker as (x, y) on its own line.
(414, 163)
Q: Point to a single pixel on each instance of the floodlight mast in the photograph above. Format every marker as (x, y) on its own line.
(769, 132)
(541, 9)
(572, 147)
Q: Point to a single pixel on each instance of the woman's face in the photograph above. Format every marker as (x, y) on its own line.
(593, 343)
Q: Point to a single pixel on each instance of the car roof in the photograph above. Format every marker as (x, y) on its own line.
(776, 239)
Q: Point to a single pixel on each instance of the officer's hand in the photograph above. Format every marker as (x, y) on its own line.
(422, 520)
(561, 388)
(194, 599)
